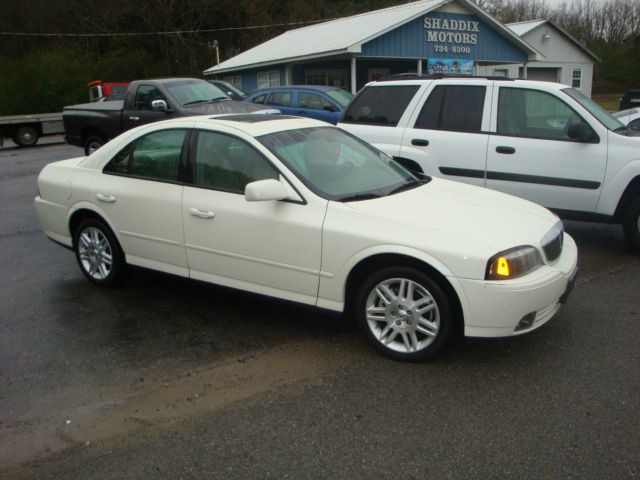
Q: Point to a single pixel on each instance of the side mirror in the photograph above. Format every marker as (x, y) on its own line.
(265, 190)
(159, 106)
(580, 132)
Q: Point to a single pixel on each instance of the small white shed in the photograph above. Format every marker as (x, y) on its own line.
(565, 59)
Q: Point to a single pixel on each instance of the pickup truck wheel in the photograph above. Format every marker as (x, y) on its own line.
(404, 313)
(26, 137)
(93, 143)
(631, 224)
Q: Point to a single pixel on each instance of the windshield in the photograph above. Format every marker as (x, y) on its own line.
(594, 109)
(338, 166)
(190, 92)
(341, 96)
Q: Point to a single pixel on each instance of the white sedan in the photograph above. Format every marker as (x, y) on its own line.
(630, 117)
(296, 209)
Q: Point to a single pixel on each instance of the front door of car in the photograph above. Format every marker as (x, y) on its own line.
(314, 105)
(447, 136)
(142, 111)
(531, 154)
(139, 193)
(268, 247)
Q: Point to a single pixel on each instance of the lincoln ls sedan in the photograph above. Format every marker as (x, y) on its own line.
(300, 210)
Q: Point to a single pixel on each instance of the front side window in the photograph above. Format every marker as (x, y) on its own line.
(145, 94)
(313, 101)
(454, 108)
(535, 114)
(337, 165)
(260, 98)
(155, 156)
(227, 163)
(380, 105)
(281, 99)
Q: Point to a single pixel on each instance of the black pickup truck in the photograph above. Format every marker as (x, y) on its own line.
(91, 125)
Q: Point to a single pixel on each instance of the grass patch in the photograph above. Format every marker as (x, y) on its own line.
(608, 101)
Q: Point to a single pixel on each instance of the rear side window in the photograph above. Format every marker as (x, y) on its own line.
(455, 108)
(259, 98)
(281, 99)
(155, 156)
(380, 105)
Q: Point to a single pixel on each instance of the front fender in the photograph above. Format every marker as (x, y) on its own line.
(614, 187)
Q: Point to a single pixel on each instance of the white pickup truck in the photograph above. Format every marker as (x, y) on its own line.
(545, 142)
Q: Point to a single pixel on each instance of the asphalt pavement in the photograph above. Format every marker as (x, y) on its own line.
(163, 377)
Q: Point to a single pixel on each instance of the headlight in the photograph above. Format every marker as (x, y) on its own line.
(513, 263)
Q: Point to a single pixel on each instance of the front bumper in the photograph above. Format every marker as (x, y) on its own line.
(496, 308)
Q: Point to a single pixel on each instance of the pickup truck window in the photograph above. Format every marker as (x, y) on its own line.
(380, 105)
(155, 156)
(454, 108)
(227, 163)
(145, 94)
(535, 114)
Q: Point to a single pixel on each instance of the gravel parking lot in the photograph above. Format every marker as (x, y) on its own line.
(167, 378)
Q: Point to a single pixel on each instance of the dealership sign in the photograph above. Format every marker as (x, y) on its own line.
(450, 66)
(443, 30)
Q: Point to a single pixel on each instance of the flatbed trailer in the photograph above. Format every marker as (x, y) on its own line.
(25, 130)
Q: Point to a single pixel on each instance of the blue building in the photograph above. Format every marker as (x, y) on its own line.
(427, 36)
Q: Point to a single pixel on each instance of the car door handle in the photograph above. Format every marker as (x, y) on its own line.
(418, 142)
(507, 150)
(134, 118)
(196, 212)
(105, 198)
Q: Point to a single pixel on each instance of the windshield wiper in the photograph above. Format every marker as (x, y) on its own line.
(406, 186)
(202, 100)
(358, 196)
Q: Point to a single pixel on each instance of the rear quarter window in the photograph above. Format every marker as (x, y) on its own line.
(380, 105)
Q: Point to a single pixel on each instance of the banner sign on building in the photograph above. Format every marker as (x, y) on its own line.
(450, 66)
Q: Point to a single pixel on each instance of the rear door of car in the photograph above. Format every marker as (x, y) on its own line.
(283, 100)
(140, 192)
(447, 135)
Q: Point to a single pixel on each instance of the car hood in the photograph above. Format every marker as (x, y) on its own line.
(228, 106)
(445, 215)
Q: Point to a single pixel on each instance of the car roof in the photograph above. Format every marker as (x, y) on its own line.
(318, 88)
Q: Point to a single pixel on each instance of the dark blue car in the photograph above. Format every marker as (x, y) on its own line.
(313, 101)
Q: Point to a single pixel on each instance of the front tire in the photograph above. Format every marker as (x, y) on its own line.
(26, 137)
(404, 313)
(98, 253)
(631, 224)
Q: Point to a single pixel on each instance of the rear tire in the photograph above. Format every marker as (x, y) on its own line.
(404, 313)
(93, 143)
(98, 253)
(26, 137)
(631, 224)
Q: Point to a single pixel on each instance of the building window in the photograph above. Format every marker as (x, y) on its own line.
(269, 79)
(332, 77)
(500, 72)
(235, 80)
(377, 73)
(576, 78)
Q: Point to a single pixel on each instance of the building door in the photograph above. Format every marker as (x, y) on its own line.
(543, 74)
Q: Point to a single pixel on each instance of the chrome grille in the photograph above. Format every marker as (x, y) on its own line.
(552, 242)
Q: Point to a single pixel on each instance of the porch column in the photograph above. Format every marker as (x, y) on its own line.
(353, 75)
(419, 69)
(287, 74)
(524, 71)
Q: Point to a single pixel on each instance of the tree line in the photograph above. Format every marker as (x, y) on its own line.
(44, 73)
